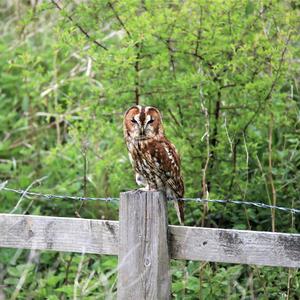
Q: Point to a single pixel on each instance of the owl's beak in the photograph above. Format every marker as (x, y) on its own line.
(142, 135)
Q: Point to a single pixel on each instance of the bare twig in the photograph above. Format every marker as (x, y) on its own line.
(68, 268)
(205, 191)
(118, 18)
(137, 76)
(264, 177)
(174, 118)
(80, 27)
(138, 47)
(23, 195)
(247, 182)
(270, 175)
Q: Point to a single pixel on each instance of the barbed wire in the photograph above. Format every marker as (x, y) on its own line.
(111, 199)
(248, 203)
(65, 197)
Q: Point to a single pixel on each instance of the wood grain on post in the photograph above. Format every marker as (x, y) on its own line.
(143, 247)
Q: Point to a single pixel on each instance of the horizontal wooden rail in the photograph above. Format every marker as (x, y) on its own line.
(192, 243)
(235, 246)
(59, 234)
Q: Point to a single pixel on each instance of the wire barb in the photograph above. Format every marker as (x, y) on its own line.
(112, 199)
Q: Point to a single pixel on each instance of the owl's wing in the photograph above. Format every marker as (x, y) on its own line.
(165, 163)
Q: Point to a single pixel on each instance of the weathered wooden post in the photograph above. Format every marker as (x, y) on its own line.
(143, 271)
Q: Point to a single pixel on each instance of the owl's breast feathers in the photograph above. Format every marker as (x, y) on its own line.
(157, 158)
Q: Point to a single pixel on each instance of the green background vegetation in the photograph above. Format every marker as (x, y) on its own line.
(225, 75)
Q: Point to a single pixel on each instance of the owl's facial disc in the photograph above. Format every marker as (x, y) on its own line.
(143, 122)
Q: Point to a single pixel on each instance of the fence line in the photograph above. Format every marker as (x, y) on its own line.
(27, 194)
(185, 242)
(144, 243)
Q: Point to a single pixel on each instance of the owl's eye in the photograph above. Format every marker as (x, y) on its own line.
(150, 121)
(133, 121)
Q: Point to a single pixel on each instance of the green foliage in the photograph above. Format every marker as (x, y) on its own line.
(53, 275)
(225, 75)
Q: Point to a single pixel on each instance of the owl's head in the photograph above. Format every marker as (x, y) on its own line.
(142, 122)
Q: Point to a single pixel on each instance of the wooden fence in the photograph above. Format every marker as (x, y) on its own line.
(145, 243)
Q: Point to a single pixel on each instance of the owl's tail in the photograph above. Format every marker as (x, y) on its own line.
(179, 207)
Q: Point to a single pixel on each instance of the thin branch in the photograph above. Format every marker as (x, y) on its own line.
(37, 181)
(118, 18)
(171, 53)
(270, 175)
(269, 94)
(245, 190)
(68, 268)
(234, 161)
(174, 118)
(199, 31)
(80, 27)
(264, 177)
(137, 77)
(205, 191)
(137, 67)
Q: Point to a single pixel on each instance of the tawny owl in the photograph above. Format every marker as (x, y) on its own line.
(154, 159)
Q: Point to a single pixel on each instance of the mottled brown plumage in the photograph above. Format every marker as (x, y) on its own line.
(154, 159)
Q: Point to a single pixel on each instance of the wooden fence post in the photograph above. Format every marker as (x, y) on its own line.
(143, 270)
